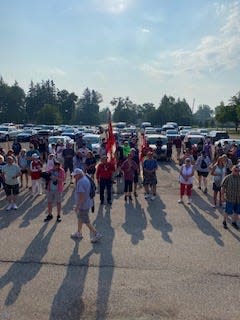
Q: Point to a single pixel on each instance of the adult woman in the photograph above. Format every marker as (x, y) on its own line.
(129, 167)
(186, 180)
(90, 164)
(202, 167)
(218, 172)
(227, 164)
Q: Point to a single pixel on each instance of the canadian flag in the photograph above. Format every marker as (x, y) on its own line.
(111, 145)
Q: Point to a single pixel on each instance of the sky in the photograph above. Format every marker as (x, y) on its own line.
(138, 48)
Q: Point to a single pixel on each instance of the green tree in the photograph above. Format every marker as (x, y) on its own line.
(12, 103)
(87, 108)
(66, 103)
(125, 110)
(38, 95)
(49, 114)
(203, 115)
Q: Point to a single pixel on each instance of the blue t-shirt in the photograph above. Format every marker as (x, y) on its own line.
(150, 164)
(83, 186)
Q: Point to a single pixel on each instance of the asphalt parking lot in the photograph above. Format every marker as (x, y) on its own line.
(157, 260)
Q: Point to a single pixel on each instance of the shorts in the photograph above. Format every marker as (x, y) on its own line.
(24, 171)
(68, 165)
(150, 179)
(83, 216)
(135, 179)
(54, 196)
(232, 208)
(11, 189)
(216, 187)
(202, 174)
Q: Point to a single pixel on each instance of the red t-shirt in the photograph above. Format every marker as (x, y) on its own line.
(36, 169)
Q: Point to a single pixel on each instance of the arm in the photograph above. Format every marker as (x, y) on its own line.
(79, 200)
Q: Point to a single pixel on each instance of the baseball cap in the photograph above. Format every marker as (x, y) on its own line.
(35, 156)
(77, 171)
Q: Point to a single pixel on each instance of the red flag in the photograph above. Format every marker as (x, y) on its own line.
(111, 146)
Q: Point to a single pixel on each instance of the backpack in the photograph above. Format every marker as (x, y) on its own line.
(203, 164)
(93, 187)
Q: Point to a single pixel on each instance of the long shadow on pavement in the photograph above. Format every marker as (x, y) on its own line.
(135, 221)
(25, 269)
(158, 218)
(106, 261)
(203, 224)
(68, 303)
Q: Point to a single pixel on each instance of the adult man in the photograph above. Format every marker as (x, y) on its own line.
(231, 192)
(68, 155)
(55, 190)
(104, 174)
(83, 204)
(149, 175)
(11, 172)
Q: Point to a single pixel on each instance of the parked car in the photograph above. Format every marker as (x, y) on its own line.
(195, 138)
(55, 139)
(150, 130)
(25, 135)
(152, 139)
(70, 132)
(204, 132)
(172, 134)
(217, 135)
(93, 142)
(230, 142)
(8, 133)
(167, 127)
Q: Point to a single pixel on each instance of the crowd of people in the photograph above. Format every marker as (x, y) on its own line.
(57, 164)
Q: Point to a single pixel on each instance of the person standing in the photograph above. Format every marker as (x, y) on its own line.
(16, 147)
(202, 166)
(231, 194)
(23, 164)
(90, 164)
(68, 155)
(55, 190)
(129, 167)
(83, 203)
(186, 180)
(218, 172)
(11, 172)
(149, 175)
(36, 170)
(104, 175)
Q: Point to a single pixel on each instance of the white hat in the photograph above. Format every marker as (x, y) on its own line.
(77, 171)
(35, 156)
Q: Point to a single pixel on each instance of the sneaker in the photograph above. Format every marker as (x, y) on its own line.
(180, 201)
(9, 207)
(76, 235)
(189, 201)
(59, 219)
(235, 226)
(14, 206)
(96, 237)
(225, 224)
(48, 218)
(153, 198)
(146, 196)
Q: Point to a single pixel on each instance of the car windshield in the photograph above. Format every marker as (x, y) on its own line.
(69, 130)
(153, 140)
(196, 140)
(52, 140)
(3, 129)
(91, 140)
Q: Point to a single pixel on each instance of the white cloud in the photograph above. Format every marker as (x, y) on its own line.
(214, 52)
(113, 6)
(144, 30)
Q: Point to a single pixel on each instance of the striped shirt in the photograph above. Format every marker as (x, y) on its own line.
(231, 185)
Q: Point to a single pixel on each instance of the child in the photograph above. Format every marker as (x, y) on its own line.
(35, 170)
